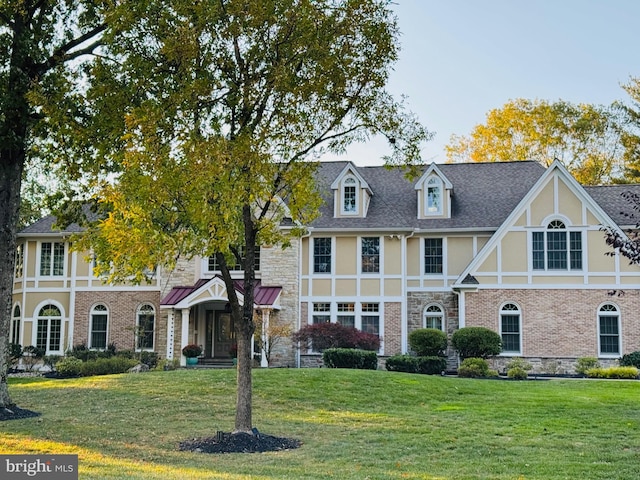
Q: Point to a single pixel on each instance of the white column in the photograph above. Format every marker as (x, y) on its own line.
(171, 325)
(264, 363)
(184, 338)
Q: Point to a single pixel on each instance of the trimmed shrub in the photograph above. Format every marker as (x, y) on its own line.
(584, 364)
(350, 358)
(69, 367)
(517, 368)
(402, 363)
(31, 355)
(630, 360)
(476, 342)
(321, 336)
(15, 354)
(613, 372)
(475, 368)
(148, 358)
(107, 366)
(428, 342)
(431, 365)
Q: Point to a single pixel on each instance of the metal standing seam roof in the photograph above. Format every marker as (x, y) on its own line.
(262, 295)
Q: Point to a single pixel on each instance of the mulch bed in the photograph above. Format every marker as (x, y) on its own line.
(15, 413)
(239, 442)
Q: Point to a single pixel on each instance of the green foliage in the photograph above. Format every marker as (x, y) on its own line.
(630, 360)
(583, 364)
(517, 368)
(31, 356)
(148, 358)
(15, 353)
(412, 364)
(350, 358)
(428, 342)
(613, 372)
(586, 137)
(165, 364)
(52, 360)
(475, 368)
(107, 366)
(69, 367)
(476, 342)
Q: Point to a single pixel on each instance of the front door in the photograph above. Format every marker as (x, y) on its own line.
(223, 335)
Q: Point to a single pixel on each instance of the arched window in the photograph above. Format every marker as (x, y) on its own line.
(609, 330)
(99, 327)
(15, 325)
(433, 317)
(433, 203)
(349, 196)
(556, 248)
(510, 328)
(49, 329)
(145, 327)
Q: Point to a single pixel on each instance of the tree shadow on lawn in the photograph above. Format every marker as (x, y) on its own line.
(14, 412)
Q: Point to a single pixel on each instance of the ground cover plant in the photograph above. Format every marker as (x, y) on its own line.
(353, 424)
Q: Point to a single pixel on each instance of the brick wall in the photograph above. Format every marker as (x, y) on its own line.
(392, 334)
(123, 307)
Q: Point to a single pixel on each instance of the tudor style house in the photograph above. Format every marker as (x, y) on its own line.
(510, 246)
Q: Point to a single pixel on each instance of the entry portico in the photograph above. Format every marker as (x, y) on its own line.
(200, 314)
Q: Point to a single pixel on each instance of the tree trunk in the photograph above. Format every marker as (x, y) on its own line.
(11, 164)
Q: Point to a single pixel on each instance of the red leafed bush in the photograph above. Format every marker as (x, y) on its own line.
(321, 336)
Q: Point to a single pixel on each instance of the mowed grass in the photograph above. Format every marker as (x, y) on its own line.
(353, 425)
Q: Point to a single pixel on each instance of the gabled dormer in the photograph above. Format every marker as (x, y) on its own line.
(434, 194)
(351, 193)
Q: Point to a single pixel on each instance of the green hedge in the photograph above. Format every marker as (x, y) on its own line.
(476, 342)
(428, 342)
(107, 366)
(630, 360)
(613, 372)
(413, 364)
(475, 368)
(350, 358)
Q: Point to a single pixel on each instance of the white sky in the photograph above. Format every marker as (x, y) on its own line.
(462, 58)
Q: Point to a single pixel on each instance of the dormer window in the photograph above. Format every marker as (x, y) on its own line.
(434, 197)
(349, 196)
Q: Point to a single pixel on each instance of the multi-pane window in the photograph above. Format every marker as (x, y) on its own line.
(321, 312)
(19, 261)
(145, 324)
(370, 318)
(433, 317)
(434, 196)
(49, 329)
(15, 325)
(510, 328)
(370, 254)
(98, 330)
(52, 258)
(349, 196)
(609, 330)
(347, 314)
(322, 255)
(556, 249)
(433, 255)
(214, 266)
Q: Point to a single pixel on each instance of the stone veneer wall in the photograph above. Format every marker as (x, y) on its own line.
(123, 307)
(558, 326)
(279, 267)
(416, 303)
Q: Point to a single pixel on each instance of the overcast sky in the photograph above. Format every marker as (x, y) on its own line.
(462, 58)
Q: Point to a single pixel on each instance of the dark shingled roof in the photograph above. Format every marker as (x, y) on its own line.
(46, 224)
(610, 198)
(484, 194)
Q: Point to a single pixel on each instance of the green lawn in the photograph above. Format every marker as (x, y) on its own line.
(354, 424)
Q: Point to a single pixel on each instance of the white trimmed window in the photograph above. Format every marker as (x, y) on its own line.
(99, 325)
(510, 328)
(349, 196)
(49, 330)
(214, 266)
(433, 196)
(609, 331)
(19, 261)
(52, 259)
(370, 318)
(322, 255)
(370, 258)
(145, 327)
(15, 325)
(433, 317)
(556, 248)
(433, 256)
(322, 312)
(347, 314)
